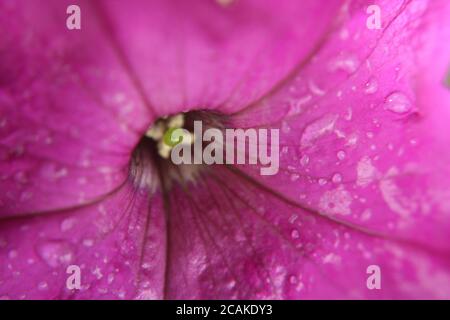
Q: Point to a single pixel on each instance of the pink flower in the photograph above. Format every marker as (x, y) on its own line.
(364, 150)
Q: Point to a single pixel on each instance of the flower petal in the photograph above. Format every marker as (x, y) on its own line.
(118, 244)
(199, 54)
(70, 113)
(364, 140)
(240, 241)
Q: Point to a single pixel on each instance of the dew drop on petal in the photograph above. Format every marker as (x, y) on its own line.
(43, 286)
(295, 234)
(147, 294)
(285, 128)
(231, 284)
(371, 86)
(337, 178)
(348, 64)
(317, 129)
(315, 89)
(88, 242)
(341, 155)
(304, 160)
(55, 253)
(146, 265)
(110, 278)
(296, 106)
(12, 254)
(293, 218)
(67, 224)
(398, 102)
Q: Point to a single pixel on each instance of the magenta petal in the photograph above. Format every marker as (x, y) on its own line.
(365, 139)
(198, 54)
(91, 94)
(364, 150)
(237, 241)
(70, 113)
(118, 244)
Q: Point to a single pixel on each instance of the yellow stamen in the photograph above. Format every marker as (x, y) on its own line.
(176, 121)
(156, 132)
(162, 130)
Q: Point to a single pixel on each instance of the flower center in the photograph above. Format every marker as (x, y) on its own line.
(152, 165)
(161, 132)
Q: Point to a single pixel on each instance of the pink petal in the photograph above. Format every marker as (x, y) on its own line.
(70, 114)
(310, 234)
(118, 244)
(364, 142)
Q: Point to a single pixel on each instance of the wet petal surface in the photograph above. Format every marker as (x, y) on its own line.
(363, 117)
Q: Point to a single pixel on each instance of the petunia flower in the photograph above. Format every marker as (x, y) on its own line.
(364, 149)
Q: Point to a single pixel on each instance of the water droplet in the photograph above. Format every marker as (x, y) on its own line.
(337, 178)
(349, 114)
(293, 218)
(366, 215)
(348, 64)
(322, 181)
(146, 265)
(55, 253)
(295, 234)
(295, 177)
(293, 279)
(88, 242)
(296, 106)
(285, 128)
(317, 129)
(110, 278)
(398, 102)
(314, 88)
(341, 155)
(12, 254)
(67, 224)
(371, 86)
(231, 284)
(304, 160)
(43, 286)
(97, 272)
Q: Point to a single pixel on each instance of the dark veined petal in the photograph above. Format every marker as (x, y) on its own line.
(363, 117)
